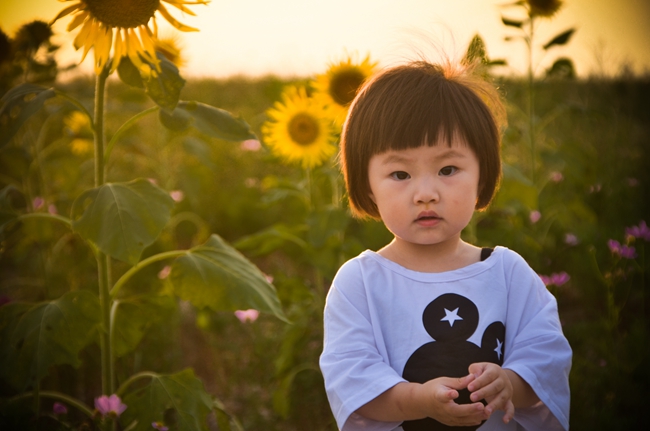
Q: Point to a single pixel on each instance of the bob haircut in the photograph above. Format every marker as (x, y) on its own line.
(415, 104)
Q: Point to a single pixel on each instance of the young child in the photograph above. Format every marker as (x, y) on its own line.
(431, 332)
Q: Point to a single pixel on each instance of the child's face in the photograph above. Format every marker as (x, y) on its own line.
(425, 195)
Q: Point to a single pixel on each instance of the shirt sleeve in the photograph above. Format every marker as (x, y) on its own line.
(353, 369)
(536, 349)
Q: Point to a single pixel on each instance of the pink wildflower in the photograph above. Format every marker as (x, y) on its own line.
(571, 239)
(110, 405)
(177, 195)
(51, 208)
(556, 176)
(251, 145)
(641, 231)
(38, 202)
(247, 315)
(164, 273)
(624, 251)
(535, 216)
(556, 279)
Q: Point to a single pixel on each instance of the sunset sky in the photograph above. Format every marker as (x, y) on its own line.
(300, 37)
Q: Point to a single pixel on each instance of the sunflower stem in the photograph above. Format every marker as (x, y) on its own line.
(102, 259)
(531, 98)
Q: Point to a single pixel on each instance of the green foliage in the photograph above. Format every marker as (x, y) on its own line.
(178, 400)
(217, 276)
(122, 218)
(46, 334)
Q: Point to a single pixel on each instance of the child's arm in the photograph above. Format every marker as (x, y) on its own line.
(435, 399)
(502, 388)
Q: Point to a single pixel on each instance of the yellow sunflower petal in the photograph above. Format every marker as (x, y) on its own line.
(149, 46)
(67, 11)
(86, 37)
(180, 6)
(103, 47)
(172, 20)
(118, 50)
(77, 20)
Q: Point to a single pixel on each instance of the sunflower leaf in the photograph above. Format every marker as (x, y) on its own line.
(164, 87)
(129, 73)
(271, 239)
(134, 316)
(45, 334)
(560, 39)
(17, 105)
(178, 398)
(122, 218)
(211, 121)
(217, 276)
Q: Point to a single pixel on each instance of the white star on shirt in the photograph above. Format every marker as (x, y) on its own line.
(451, 316)
(499, 348)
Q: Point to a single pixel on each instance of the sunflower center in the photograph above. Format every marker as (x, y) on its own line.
(122, 13)
(303, 129)
(344, 85)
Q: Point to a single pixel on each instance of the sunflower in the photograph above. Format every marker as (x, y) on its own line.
(299, 129)
(544, 8)
(124, 25)
(337, 87)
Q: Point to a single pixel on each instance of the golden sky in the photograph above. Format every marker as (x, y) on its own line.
(300, 37)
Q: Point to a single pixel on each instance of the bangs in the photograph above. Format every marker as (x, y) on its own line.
(426, 110)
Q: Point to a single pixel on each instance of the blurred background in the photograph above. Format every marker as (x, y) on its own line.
(291, 38)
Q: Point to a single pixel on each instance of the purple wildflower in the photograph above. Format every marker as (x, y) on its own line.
(110, 405)
(59, 408)
(641, 231)
(624, 251)
(571, 239)
(557, 279)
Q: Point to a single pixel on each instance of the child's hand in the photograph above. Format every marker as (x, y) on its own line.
(439, 399)
(492, 384)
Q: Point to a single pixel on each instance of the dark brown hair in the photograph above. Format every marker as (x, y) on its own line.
(403, 106)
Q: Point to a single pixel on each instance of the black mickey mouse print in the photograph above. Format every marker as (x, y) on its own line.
(451, 320)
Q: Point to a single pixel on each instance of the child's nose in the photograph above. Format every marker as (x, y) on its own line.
(427, 191)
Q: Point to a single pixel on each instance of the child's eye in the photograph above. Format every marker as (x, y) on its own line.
(448, 171)
(400, 175)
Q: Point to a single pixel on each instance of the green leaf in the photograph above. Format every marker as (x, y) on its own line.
(17, 105)
(164, 87)
(511, 22)
(7, 212)
(134, 316)
(476, 50)
(46, 334)
(560, 39)
(179, 400)
(271, 239)
(122, 218)
(211, 121)
(128, 73)
(217, 276)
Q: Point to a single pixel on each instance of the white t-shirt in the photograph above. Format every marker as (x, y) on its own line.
(496, 310)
